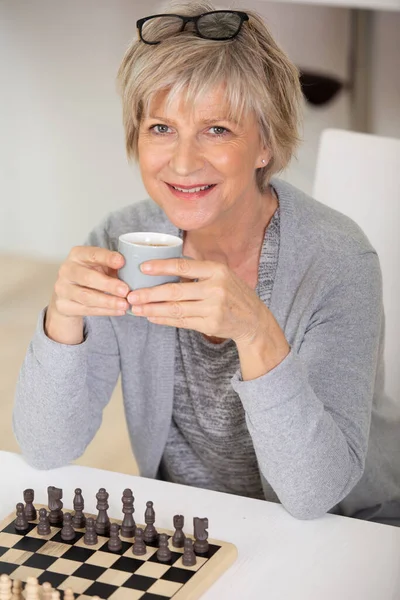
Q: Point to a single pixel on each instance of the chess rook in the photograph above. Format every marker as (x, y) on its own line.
(179, 537)
(30, 510)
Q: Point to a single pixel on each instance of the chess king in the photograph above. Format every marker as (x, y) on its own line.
(256, 367)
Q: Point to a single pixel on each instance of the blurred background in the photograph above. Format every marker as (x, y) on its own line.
(62, 160)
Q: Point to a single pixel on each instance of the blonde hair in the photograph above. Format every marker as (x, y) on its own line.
(256, 73)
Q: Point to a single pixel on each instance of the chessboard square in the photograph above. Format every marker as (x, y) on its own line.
(3, 550)
(151, 596)
(165, 588)
(7, 568)
(174, 557)
(57, 538)
(18, 557)
(22, 573)
(124, 563)
(11, 529)
(78, 584)
(151, 569)
(30, 544)
(100, 542)
(103, 590)
(125, 594)
(102, 559)
(178, 575)
(56, 579)
(89, 572)
(143, 557)
(212, 549)
(125, 547)
(79, 554)
(40, 561)
(114, 577)
(139, 582)
(8, 540)
(64, 566)
(35, 534)
(200, 561)
(53, 549)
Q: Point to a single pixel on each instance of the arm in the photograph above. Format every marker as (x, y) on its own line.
(309, 417)
(62, 389)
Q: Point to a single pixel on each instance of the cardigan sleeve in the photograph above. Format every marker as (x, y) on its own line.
(309, 417)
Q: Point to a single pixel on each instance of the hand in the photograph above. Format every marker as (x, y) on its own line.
(88, 284)
(219, 304)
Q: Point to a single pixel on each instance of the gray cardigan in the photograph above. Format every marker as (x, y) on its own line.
(309, 418)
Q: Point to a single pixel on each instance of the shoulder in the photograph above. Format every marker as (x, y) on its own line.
(145, 215)
(316, 227)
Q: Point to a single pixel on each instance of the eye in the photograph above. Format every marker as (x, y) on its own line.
(219, 131)
(159, 129)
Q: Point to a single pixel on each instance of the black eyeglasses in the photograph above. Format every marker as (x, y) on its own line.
(218, 25)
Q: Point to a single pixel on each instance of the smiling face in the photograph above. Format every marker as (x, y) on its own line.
(192, 147)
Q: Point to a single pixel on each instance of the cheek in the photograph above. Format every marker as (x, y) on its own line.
(233, 159)
(150, 161)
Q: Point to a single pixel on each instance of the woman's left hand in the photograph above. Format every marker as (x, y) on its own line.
(218, 304)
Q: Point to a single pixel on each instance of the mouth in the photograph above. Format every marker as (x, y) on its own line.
(191, 193)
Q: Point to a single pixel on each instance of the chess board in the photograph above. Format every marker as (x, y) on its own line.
(96, 571)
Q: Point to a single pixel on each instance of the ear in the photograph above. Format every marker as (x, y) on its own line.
(263, 158)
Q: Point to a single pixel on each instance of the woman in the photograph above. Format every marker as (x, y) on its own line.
(261, 373)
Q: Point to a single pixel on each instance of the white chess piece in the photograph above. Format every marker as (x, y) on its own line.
(5, 587)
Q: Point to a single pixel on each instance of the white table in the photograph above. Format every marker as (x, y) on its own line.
(332, 558)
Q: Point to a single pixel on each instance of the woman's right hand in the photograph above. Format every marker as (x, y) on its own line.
(88, 284)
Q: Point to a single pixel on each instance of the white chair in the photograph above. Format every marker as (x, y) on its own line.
(358, 174)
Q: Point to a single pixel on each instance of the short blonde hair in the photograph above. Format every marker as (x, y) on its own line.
(256, 73)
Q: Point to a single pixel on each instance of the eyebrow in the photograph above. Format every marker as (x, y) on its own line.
(204, 121)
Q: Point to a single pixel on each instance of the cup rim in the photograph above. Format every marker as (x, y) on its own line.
(151, 236)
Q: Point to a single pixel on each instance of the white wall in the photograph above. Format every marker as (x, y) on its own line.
(62, 158)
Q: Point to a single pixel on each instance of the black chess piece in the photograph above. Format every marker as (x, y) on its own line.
(163, 553)
(179, 537)
(114, 543)
(200, 534)
(150, 533)
(79, 519)
(55, 505)
(102, 521)
(90, 537)
(21, 522)
(43, 527)
(30, 510)
(67, 531)
(139, 547)
(189, 557)
(128, 523)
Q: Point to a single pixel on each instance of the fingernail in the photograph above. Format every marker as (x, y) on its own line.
(145, 268)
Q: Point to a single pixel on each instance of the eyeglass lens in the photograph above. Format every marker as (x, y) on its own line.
(215, 26)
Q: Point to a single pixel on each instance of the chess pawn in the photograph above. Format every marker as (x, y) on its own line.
(114, 543)
(43, 527)
(189, 557)
(179, 537)
(200, 534)
(5, 587)
(67, 532)
(55, 595)
(163, 553)
(69, 594)
(46, 590)
(32, 589)
(128, 523)
(139, 547)
(90, 538)
(79, 519)
(102, 521)
(30, 510)
(17, 590)
(21, 523)
(150, 533)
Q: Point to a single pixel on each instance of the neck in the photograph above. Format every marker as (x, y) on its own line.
(236, 239)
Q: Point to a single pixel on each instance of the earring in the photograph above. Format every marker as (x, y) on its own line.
(263, 161)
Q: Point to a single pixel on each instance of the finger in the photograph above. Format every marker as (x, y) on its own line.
(96, 255)
(92, 278)
(174, 292)
(74, 309)
(175, 310)
(90, 298)
(190, 269)
(194, 323)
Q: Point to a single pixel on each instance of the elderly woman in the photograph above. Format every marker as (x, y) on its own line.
(260, 372)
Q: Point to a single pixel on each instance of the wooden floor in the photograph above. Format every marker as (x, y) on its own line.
(25, 288)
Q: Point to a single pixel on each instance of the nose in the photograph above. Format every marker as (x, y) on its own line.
(186, 158)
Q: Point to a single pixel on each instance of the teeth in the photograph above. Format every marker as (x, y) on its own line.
(192, 190)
